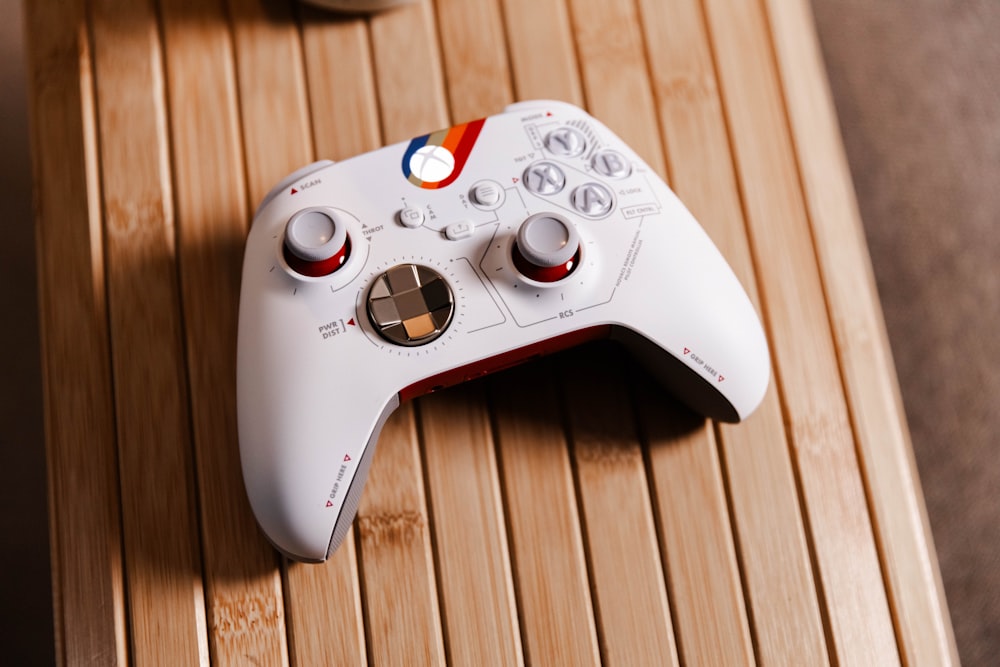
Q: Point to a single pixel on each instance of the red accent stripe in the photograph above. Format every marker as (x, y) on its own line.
(461, 153)
(318, 269)
(505, 360)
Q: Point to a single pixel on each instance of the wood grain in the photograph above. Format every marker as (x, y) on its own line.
(272, 90)
(245, 607)
(568, 512)
(614, 73)
(907, 550)
(402, 612)
(400, 581)
(857, 618)
(554, 600)
(630, 597)
(324, 602)
(163, 565)
(470, 537)
(774, 558)
(84, 497)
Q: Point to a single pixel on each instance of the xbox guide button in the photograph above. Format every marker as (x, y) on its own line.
(316, 242)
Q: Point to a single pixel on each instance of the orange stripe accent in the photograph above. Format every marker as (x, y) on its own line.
(454, 137)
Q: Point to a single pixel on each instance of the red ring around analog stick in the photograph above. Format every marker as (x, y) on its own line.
(547, 248)
(316, 242)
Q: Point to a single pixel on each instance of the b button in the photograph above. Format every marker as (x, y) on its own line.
(611, 163)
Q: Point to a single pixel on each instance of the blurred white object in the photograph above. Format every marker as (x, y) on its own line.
(357, 5)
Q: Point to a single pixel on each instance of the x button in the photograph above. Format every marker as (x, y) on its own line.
(544, 178)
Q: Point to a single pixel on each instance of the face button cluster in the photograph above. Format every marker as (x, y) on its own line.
(410, 305)
(590, 198)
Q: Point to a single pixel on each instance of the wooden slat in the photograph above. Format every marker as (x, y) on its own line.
(699, 554)
(324, 610)
(245, 608)
(856, 613)
(399, 580)
(470, 539)
(400, 588)
(163, 566)
(909, 561)
(556, 612)
(695, 532)
(326, 622)
(633, 615)
(463, 484)
(84, 507)
(276, 141)
(469, 535)
(537, 27)
(341, 83)
(411, 86)
(273, 107)
(630, 597)
(777, 573)
(475, 58)
(614, 74)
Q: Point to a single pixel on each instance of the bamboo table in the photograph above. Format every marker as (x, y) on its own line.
(565, 513)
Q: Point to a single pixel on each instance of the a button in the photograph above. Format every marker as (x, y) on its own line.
(544, 178)
(457, 231)
(611, 163)
(486, 194)
(316, 242)
(411, 217)
(410, 305)
(593, 200)
(547, 247)
(566, 142)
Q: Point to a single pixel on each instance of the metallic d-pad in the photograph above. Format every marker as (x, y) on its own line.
(410, 305)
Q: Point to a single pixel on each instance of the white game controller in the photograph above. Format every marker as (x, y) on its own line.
(464, 251)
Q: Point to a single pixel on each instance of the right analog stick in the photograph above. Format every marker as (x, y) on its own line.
(316, 242)
(547, 248)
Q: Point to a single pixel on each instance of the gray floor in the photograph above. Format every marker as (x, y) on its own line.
(917, 88)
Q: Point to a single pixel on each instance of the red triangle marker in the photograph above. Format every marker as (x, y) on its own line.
(351, 322)
(329, 504)
(294, 191)
(346, 457)
(687, 350)
(721, 378)
(548, 113)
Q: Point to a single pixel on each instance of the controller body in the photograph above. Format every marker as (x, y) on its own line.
(467, 250)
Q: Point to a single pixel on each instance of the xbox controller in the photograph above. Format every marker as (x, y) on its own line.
(427, 263)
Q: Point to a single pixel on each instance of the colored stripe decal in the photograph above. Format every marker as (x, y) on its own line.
(457, 140)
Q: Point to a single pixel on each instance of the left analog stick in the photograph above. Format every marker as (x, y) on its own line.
(316, 242)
